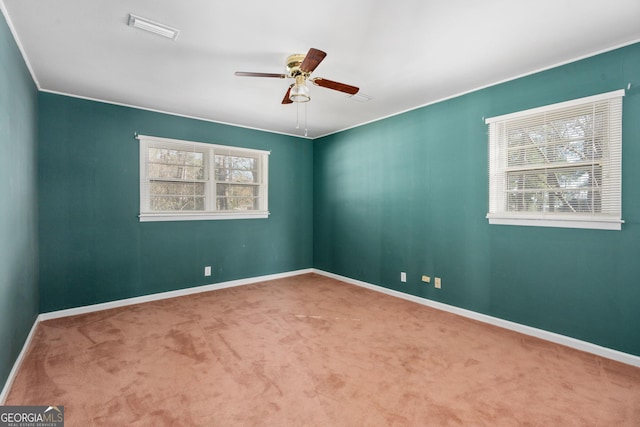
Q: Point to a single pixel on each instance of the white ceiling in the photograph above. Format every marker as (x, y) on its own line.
(402, 53)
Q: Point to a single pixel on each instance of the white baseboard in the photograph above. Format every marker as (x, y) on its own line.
(527, 330)
(17, 363)
(169, 294)
(585, 346)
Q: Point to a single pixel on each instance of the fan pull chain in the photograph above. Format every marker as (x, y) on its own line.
(297, 115)
(306, 130)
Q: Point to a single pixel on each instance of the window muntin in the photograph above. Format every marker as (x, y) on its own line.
(558, 165)
(178, 182)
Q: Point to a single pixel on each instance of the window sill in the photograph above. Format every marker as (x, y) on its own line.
(592, 222)
(201, 216)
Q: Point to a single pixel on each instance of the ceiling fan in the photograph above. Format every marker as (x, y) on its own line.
(300, 67)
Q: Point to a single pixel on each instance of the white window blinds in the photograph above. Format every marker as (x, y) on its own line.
(559, 165)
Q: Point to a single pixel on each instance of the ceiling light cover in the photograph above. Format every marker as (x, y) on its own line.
(153, 27)
(299, 93)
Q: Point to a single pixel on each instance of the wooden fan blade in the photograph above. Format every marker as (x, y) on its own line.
(330, 84)
(248, 74)
(286, 99)
(312, 60)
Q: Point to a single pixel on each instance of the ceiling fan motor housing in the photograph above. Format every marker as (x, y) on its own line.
(293, 64)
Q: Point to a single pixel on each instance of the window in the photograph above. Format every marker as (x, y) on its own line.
(558, 165)
(183, 180)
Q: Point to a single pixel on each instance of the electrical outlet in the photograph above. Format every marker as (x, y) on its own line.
(207, 270)
(437, 283)
(403, 276)
(426, 279)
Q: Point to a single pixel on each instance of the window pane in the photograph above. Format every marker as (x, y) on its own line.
(584, 201)
(176, 196)
(566, 152)
(565, 140)
(177, 164)
(177, 203)
(236, 168)
(172, 188)
(237, 197)
(575, 190)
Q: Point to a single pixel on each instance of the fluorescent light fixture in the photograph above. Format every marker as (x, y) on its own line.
(153, 27)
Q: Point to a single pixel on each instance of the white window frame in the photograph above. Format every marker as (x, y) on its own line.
(210, 150)
(610, 219)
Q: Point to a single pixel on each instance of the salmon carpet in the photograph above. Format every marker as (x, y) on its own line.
(312, 351)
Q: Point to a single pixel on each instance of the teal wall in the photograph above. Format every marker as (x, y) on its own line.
(18, 201)
(94, 249)
(409, 193)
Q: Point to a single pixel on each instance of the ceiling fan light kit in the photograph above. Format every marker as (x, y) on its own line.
(299, 92)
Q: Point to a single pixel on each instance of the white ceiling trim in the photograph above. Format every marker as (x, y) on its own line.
(14, 33)
(119, 104)
(559, 64)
